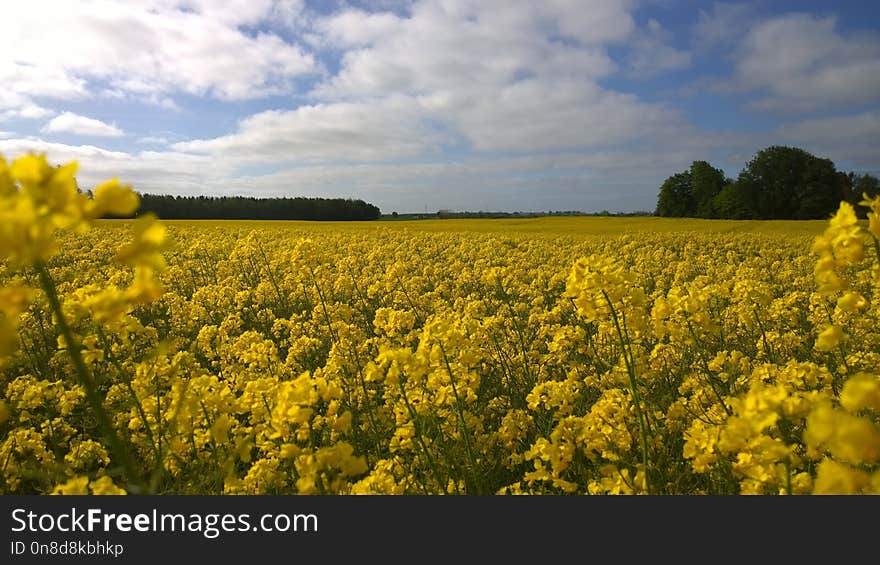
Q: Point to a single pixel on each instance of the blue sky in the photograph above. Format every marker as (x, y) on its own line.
(499, 105)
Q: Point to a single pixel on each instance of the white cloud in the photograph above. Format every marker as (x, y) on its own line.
(503, 76)
(532, 115)
(149, 50)
(651, 54)
(851, 139)
(146, 171)
(462, 44)
(233, 13)
(356, 28)
(525, 116)
(17, 106)
(68, 122)
(30, 77)
(803, 63)
(723, 24)
(154, 99)
(28, 111)
(391, 128)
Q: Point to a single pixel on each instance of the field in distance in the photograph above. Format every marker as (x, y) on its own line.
(567, 225)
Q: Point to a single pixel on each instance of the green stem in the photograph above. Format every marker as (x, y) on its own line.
(414, 418)
(82, 373)
(519, 333)
(460, 410)
(281, 297)
(333, 334)
(767, 346)
(630, 371)
(108, 351)
(702, 355)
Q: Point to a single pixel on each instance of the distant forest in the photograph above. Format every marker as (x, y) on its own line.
(248, 208)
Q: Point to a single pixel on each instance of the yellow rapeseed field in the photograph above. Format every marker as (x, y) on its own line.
(544, 356)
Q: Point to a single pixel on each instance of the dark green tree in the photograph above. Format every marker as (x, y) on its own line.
(676, 198)
(690, 193)
(734, 202)
(706, 183)
(789, 183)
(249, 208)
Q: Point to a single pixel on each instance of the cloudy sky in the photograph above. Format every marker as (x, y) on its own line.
(436, 104)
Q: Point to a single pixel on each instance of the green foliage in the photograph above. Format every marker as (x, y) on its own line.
(676, 196)
(706, 183)
(790, 183)
(248, 208)
(779, 182)
(690, 193)
(733, 203)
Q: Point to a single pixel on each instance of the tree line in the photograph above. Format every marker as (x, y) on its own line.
(779, 182)
(248, 208)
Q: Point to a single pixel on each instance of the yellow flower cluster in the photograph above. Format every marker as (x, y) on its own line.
(39, 203)
(566, 356)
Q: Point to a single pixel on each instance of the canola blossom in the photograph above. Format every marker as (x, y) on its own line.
(545, 356)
